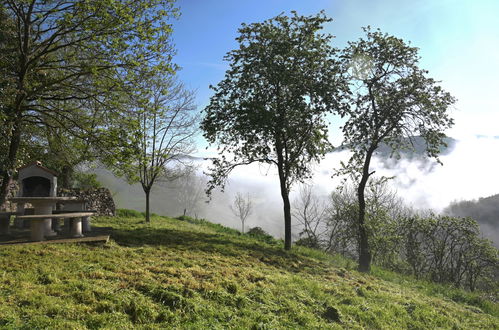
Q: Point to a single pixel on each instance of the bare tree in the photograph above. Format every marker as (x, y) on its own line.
(310, 212)
(189, 191)
(340, 221)
(168, 124)
(242, 207)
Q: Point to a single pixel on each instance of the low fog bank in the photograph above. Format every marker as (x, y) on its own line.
(469, 171)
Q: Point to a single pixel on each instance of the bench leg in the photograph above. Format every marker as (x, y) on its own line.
(85, 224)
(47, 225)
(76, 228)
(37, 230)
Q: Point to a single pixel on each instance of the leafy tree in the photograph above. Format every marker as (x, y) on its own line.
(392, 101)
(63, 54)
(167, 124)
(242, 208)
(270, 106)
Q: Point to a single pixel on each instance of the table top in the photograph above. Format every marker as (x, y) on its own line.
(41, 199)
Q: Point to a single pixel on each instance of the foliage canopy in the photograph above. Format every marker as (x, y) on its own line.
(66, 64)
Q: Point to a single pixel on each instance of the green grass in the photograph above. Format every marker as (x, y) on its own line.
(194, 274)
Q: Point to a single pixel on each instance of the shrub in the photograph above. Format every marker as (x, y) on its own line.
(260, 235)
(449, 249)
(309, 242)
(127, 213)
(85, 181)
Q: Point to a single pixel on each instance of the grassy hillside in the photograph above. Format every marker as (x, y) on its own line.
(193, 274)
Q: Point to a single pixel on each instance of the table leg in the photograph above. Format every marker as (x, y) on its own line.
(37, 230)
(47, 223)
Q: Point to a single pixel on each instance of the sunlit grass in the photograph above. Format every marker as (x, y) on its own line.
(194, 274)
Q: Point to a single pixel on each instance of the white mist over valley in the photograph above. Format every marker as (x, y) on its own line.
(469, 172)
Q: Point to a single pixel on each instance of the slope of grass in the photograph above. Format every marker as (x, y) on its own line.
(198, 275)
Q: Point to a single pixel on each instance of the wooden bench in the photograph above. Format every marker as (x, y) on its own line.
(37, 221)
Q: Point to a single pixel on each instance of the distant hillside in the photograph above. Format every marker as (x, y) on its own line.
(484, 210)
(192, 274)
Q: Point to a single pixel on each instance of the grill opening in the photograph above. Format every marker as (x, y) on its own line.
(36, 186)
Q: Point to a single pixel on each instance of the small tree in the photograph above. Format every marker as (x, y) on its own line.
(310, 211)
(242, 208)
(392, 101)
(168, 123)
(270, 106)
(189, 191)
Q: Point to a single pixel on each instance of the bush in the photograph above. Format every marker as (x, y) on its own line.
(127, 213)
(449, 250)
(85, 181)
(260, 235)
(309, 242)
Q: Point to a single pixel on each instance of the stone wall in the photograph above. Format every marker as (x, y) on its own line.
(99, 199)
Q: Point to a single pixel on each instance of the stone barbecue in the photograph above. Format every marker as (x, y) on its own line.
(37, 181)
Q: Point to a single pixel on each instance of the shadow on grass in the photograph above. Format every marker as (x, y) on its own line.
(217, 243)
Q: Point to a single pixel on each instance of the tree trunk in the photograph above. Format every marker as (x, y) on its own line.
(364, 250)
(11, 163)
(147, 191)
(287, 207)
(6, 179)
(66, 175)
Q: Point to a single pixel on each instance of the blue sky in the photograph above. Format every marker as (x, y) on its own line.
(458, 41)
